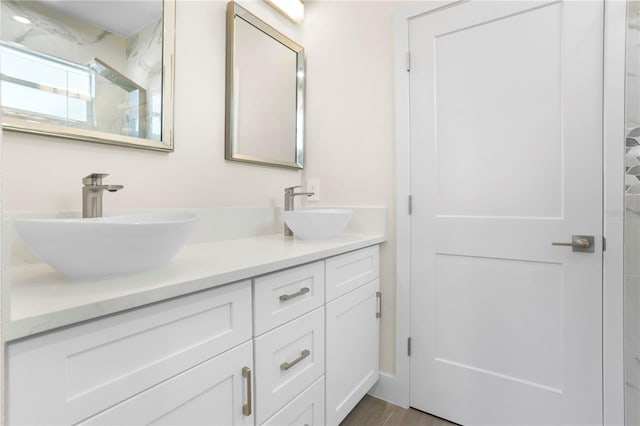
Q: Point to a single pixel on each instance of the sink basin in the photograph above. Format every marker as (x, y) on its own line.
(317, 224)
(97, 247)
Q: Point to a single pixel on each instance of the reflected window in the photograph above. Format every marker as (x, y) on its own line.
(43, 88)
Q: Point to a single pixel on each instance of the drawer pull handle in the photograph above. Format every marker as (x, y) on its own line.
(287, 365)
(379, 309)
(246, 408)
(303, 290)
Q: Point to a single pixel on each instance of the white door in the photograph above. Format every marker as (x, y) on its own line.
(506, 146)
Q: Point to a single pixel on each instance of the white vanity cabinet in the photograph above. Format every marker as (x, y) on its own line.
(337, 343)
(289, 344)
(292, 347)
(148, 361)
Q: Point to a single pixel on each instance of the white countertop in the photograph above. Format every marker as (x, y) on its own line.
(42, 299)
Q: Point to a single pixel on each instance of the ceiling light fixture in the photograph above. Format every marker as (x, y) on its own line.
(21, 19)
(292, 9)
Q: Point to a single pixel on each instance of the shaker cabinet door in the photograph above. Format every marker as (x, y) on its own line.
(215, 392)
(68, 375)
(352, 349)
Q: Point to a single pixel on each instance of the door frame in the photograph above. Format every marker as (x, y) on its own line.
(396, 388)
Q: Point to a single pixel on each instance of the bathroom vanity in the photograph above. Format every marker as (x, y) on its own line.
(254, 331)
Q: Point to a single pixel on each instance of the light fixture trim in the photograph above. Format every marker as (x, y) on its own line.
(292, 9)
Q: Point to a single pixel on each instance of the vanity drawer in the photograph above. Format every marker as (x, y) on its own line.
(306, 409)
(351, 270)
(288, 360)
(66, 376)
(285, 295)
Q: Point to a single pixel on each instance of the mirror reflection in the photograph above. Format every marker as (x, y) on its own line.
(265, 72)
(92, 66)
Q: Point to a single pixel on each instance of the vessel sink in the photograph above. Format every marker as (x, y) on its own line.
(98, 247)
(317, 224)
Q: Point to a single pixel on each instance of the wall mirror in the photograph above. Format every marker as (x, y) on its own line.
(264, 93)
(92, 70)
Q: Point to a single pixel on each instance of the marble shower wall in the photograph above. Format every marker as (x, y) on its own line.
(632, 307)
(632, 161)
(632, 219)
(144, 66)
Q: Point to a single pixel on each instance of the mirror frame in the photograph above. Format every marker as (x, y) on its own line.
(168, 71)
(231, 146)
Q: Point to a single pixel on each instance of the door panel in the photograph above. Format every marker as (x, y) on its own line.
(506, 158)
(481, 66)
(468, 290)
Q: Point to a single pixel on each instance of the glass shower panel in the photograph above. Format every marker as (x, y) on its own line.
(632, 219)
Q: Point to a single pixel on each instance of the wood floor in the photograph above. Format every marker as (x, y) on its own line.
(376, 412)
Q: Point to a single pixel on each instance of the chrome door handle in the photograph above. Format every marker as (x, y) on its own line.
(287, 365)
(379, 309)
(303, 290)
(246, 408)
(579, 243)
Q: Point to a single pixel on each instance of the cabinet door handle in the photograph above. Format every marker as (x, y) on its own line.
(303, 290)
(287, 365)
(379, 311)
(246, 408)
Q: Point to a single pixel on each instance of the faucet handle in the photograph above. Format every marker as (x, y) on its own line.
(94, 178)
(291, 188)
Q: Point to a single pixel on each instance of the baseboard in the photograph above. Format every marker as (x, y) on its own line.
(386, 389)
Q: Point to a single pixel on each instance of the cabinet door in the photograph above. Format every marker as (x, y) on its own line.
(65, 376)
(212, 393)
(352, 349)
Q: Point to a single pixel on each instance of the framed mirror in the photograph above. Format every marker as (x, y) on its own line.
(91, 70)
(264, 93)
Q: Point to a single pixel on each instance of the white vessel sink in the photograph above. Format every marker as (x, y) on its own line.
(97, 247)
(317, 224)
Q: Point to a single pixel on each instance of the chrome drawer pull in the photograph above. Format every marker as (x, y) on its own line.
(287, 365)
(303, 290)
(246, 408)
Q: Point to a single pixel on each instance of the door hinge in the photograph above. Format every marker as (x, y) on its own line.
(408, 61)
(410, 204)
(604, 243)
(409, 346)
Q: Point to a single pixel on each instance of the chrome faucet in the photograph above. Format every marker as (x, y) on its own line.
(92, 194)
(289, 198)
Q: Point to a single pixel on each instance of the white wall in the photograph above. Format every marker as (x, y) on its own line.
(350, 142)
(349, 133)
